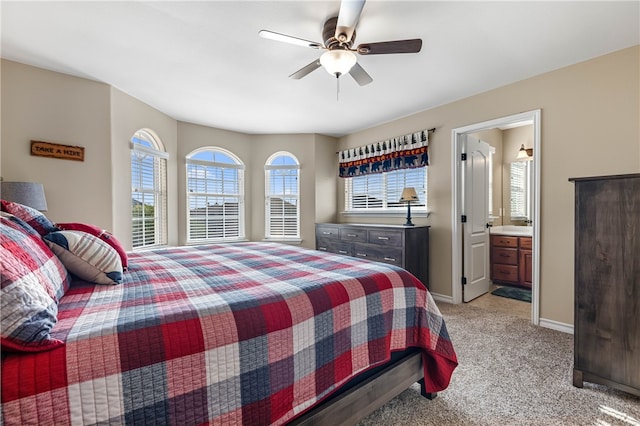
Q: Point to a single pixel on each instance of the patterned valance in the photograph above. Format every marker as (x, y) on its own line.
(402, 152)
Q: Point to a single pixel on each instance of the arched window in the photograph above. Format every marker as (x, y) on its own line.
(148, 190)
(215, 196)
(282, 192)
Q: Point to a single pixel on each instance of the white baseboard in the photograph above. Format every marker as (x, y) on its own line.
(546, 323)
(442, 298)
(555, 325)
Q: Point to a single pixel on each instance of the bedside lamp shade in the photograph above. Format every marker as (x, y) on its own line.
(28, 193)
(409, 194)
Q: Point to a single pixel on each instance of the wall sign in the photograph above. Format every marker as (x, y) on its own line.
(55, 150)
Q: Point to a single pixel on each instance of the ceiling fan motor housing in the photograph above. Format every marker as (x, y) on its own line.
(329, 36)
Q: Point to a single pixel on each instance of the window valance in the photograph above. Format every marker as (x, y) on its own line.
(401, 152)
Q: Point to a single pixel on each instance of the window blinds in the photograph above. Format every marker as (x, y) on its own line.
(283, 211)
(148, 196)
(214, 197)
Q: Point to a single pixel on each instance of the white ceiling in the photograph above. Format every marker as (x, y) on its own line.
(203, 62)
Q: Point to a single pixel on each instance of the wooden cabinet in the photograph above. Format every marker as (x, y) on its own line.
(407, 247)
(511, 260)
(607, 282)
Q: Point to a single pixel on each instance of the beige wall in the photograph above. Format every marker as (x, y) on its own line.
(128, 115)
(53, 107)
(589, 126)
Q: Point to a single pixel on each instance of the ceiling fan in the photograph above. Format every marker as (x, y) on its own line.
(339, 34)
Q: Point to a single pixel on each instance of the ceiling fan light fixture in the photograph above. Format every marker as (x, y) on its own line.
(338, 62)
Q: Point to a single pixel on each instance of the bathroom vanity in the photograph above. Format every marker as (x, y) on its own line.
(511, 255)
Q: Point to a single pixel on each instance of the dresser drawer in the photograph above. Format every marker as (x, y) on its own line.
(353, 234)
(385, 237)
(504, 241)
(506, 256)
(334, 246)
(379, 253)
(505, 273)
(525, 243)
(326, 231)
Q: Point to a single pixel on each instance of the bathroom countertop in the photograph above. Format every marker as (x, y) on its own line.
(512, 230)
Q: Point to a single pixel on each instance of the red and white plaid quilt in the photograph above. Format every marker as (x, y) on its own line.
(248, 333)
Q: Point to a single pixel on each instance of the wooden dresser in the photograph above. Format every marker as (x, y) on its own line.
(607, 282)
(404, 246)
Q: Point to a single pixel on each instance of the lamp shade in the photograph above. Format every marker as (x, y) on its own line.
(524, 154)
(28, 193)
(409, 194)
(338, 62)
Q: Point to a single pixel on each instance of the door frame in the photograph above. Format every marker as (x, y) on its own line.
(456, 203)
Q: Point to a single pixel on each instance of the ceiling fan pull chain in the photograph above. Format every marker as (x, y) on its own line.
(337, 87)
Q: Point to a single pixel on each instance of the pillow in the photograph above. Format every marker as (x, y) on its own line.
(29, 248)
(105, 236)
(33, 217)
(27, 304)
(86, 256)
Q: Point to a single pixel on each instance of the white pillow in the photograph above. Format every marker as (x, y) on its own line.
(86, 256)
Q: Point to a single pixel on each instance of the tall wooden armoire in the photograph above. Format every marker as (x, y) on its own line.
(607, 282)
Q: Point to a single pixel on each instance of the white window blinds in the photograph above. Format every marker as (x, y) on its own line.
(381, 191)
(520, 187)
(282, 212)
(148, 192)
(215, 196)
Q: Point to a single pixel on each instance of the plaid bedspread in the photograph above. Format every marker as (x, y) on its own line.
(248, 333)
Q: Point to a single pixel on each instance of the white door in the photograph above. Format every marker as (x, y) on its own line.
(475, 230)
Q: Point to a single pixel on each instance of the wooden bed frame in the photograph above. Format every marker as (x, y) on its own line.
(375, 391)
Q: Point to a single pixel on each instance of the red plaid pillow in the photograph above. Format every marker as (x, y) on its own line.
(32, 279)
(33, 217)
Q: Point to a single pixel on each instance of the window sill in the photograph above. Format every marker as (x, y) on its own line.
(203, 242)
(295, 241)
(147, 248)
(382, 213)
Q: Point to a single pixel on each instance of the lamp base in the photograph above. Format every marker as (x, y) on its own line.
(408, 223)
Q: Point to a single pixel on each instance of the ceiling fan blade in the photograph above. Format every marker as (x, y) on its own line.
(399, 46)
(289, 39)
(360, 75)
(348, 16)
(306, 70)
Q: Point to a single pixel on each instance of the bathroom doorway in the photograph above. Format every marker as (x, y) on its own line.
(502, 216)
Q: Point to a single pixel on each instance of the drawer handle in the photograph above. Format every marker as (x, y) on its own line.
(390, 258)
(361, 254)
(352, 235)
(383, 238)
(327, 233)
(505, 272)
(322, 248)
(342, 251)
(505, 255)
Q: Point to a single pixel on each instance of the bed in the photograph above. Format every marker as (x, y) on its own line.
(244, 333)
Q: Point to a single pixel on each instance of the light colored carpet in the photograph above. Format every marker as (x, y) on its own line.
(509, 373)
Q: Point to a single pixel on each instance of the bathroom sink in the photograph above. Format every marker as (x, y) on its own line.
(518, 231)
